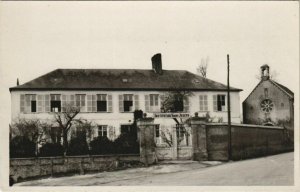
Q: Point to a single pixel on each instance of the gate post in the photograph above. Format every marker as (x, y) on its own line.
(198, 125)
(175, 144)
(146, 140)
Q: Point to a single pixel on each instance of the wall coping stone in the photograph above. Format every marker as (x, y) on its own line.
(245, 126)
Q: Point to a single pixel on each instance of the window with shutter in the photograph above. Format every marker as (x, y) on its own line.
(30, 103)
(128, 102)
(101, 102)
(80, 102)
(219, 102)
(55, 102)
(154, 106)
(102, 131)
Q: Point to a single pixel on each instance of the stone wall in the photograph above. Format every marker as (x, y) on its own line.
(255, 141)
(247, 141)
(26, 168)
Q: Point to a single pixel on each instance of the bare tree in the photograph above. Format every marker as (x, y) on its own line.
(33, 129)
(65, 120)
(202, 67)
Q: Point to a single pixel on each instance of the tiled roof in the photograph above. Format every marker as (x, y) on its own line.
(121, 79)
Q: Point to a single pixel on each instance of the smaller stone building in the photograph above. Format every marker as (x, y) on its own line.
(270, 103)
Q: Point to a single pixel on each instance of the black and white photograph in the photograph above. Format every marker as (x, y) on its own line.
(131, 95)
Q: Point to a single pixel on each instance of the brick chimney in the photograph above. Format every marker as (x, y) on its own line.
(265, 72)
(156, 63)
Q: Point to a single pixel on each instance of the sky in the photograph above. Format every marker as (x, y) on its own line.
(38, 37)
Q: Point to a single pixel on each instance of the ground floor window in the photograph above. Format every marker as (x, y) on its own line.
(126, 129)
(102, 131)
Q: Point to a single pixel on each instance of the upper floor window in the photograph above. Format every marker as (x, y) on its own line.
(55, 103)
(203, 102)
(178, 103)
(102, 131)
(80, 101)
(128, 102)
(154, 103)
(30, 101)
(102, 102)
(219, 102)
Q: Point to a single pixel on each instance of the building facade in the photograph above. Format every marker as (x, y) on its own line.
(270, 103)
(108, 97)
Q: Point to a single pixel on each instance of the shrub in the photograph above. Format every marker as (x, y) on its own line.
(126, 143)
(51, 149)
(78, 146)
(102, 145)
(21, 147)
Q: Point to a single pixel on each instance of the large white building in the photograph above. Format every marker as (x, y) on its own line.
(108, 97)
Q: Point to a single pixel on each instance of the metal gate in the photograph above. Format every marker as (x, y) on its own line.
(173, 142)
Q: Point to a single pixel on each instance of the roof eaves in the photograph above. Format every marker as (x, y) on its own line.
(278, 85)
(114, 89)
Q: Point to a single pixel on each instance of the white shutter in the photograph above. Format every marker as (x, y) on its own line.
(147, 103)
(121, 106)
(89, 103)
(186, 104)
(109, 103)
(94, 103)
(40, 103)
(22, 103)
(136, 102)
(201, 103)
(27, 104)
(205, 103)
(215, 102)
(63, 103)
(47, 103)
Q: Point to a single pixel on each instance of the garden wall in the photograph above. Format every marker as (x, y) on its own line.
(247, 141)
(26, 168)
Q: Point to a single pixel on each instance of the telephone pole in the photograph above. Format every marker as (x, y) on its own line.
(228, 109)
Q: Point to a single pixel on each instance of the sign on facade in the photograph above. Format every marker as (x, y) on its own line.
(171, 115)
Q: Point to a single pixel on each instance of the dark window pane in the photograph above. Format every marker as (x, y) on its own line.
(101, 105)
(125, 129)
(33, 106)
(55, 106)
(128, 105)
(157, 131)
(178, 105)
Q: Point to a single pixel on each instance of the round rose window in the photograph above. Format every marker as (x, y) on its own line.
(267, 105)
